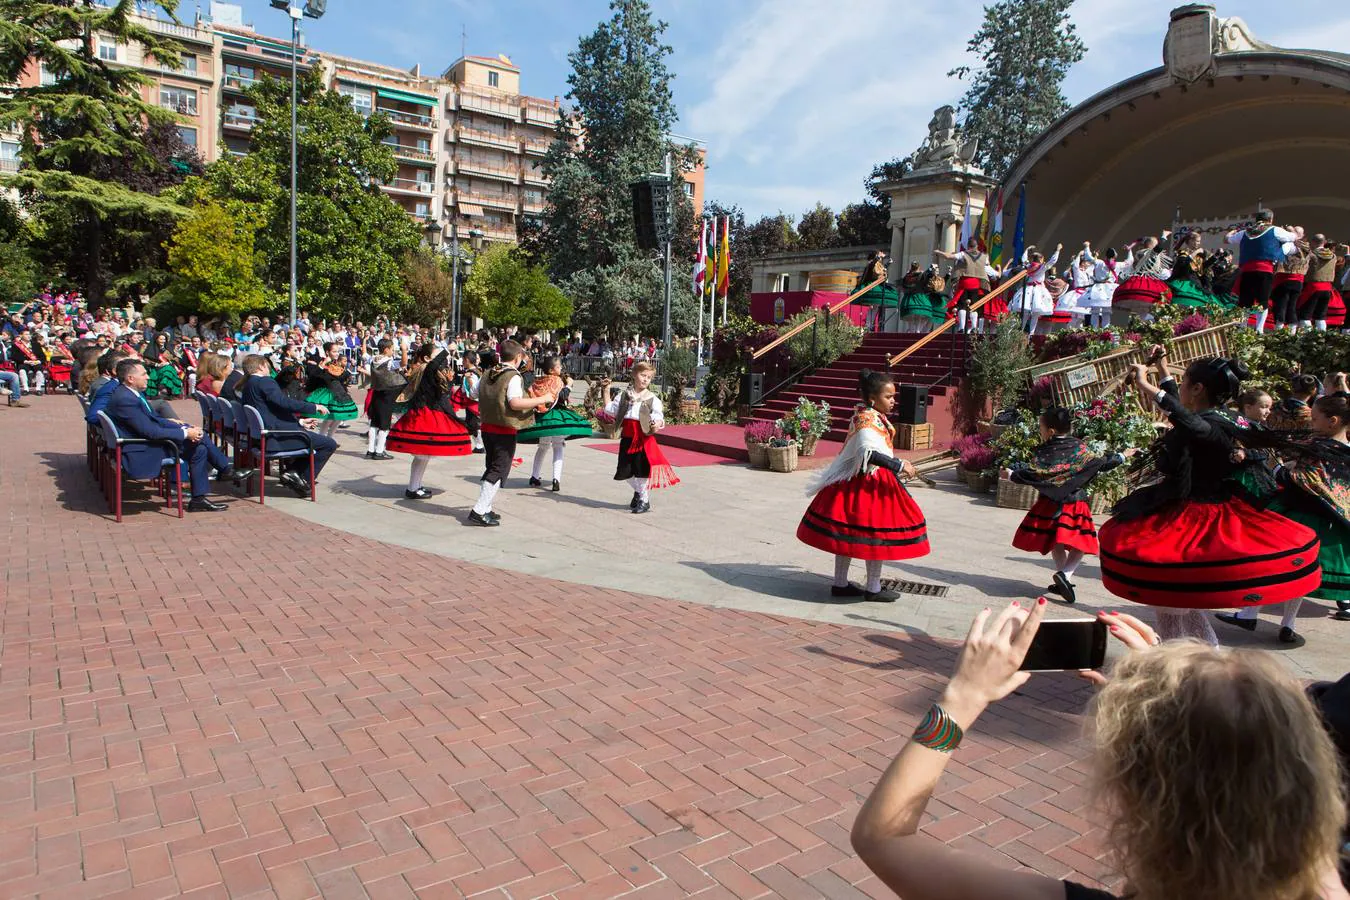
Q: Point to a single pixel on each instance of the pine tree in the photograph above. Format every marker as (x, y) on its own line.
(1026, 48)
(90, 120)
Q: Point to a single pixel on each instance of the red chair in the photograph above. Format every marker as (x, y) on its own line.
(62, 375)
(258, 455)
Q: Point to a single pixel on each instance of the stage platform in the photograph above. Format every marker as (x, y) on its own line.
(728, 442)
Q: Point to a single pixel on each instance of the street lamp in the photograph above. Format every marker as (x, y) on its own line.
(459, 275)
(313, 9)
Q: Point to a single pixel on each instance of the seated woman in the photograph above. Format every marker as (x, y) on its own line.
(212, 370)
(1186, 815)
(161, 365)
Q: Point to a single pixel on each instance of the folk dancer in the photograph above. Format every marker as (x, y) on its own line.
(1033, 299)
(641, 462)
(1260, 247)
(972, 272)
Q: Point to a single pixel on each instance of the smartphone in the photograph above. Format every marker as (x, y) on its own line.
(1067, 644)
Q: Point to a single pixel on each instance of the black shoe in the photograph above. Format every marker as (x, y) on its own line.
(633, 504)
(557, 486)
(1341, 615)
(535, 482)
(1064, 588)
(642, 508)
(371, 455)
(419, 494)
(483, 521)
(202, 504)
(383, 456)
(1232, 619)
(479, 449)
(240, 477)
(295, 482)
(848, 590)
(882, 596)
(342, 425)
(1290, 636)
(494, 517)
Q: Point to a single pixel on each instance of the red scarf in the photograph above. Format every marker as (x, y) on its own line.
(663, 473)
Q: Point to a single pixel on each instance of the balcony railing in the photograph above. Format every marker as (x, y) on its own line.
(536, 146)
(539, 114)
(403, 151)
(235, 82)
(9, 165)
(413, 120)
(242, 121)
(506, 106)
(183, 31)
(497, 201)
(533, 175)
(488, 170)
(490, 138)
(412, 185)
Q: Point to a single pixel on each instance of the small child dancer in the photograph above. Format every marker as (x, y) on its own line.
(505, 410)
(555, 424)
(641, 462)
(1033, 298)
(1060, 523)
(860, 512)
(427, 429)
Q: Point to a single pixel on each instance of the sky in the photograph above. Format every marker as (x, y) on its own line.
(795, 99)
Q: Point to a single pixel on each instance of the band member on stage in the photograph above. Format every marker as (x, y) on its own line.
(972, 273)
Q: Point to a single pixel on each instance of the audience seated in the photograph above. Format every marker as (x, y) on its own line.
(212, 370)
(278, 411)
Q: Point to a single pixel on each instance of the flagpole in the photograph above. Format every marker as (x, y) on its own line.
(711, 279)
(726, 233)
(699, 286)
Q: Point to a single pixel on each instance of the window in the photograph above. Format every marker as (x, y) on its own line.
(423, 209)
(423, 176)
(240, 114)
(9, 149)
(189, 135)
(424, 144)
(492, 79)
(688, 190)
(46, 76)
(360, 97)
(181, 100)
(107, 49)
(189, 64)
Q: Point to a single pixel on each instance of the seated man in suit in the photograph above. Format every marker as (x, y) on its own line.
(229, 388)
(102, 387)
(278, 411)
(131, 414)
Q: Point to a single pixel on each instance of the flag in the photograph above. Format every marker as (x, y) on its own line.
(965, 225)
(710, 279)
(701, 260)
(1020, 232)
(982, 232)
(996, 232)
(724, 259)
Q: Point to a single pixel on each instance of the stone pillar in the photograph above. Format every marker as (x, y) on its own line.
(926, 210)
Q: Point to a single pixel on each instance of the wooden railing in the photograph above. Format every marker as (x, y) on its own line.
(783, 338)
(946, 326)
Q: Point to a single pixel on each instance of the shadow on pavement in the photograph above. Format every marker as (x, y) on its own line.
(787, 582)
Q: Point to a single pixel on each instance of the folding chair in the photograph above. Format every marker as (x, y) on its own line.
(256, 441)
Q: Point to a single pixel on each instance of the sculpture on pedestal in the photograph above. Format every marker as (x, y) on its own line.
(944, 145)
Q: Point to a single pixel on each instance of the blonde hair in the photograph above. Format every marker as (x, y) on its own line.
(212, 364)
(643, 366)
(1218, 775)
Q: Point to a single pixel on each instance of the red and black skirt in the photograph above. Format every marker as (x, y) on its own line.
(867, 517)
(1048, 525)
(1209, 555)
(1141, 289)
(429, 432)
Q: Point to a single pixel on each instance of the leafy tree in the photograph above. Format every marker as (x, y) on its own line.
(213, 262)
(83, 134)
(1026, 48)
(18, 273)
(868, 223)
(620, 93)
(504, 288)
(431, 285)
(351, 237)
(817, 230)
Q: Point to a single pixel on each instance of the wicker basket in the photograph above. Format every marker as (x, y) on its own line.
(981, 483)
(961, 474)
(759, 455)
(1012, 495)
(808, 445)
(783, 459)
(1100, 504)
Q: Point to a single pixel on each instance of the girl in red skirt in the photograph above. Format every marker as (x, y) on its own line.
(428, 428)
(1060, 523)
(860, 511)
(1190, 540)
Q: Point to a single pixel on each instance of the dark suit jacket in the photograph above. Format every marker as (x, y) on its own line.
(230, 385)
(278, 410)
(134, 419)
(98, 401)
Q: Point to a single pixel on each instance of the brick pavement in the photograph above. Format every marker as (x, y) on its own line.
(333, 716)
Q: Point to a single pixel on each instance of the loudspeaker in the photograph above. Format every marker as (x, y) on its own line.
(911, 404)
(644, 223)
(752, 388)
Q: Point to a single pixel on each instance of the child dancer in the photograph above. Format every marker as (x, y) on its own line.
(380, 407)
(641, 462)
(427, 429)
(1060, 523)
(554, 425)
(505, 410)
(859, 511)
(1315, 492)
(1033, 298)
(327, 383)
(1191, 540)
(1105, 276)
(465, 399)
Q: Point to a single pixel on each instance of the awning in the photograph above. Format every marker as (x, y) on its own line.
(469, 209)
(405, 97)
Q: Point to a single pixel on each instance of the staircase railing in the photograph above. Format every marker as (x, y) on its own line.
(947, 325)
(798, 329)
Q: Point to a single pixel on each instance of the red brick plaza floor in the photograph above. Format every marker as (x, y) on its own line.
(241, 704)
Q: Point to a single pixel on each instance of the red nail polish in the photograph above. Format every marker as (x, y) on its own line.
(1115, 628)
(1017, 605)
(1040, 601)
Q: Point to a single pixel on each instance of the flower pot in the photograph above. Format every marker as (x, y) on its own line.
(783, 459)
(759, 455)
(689, 410)
(1011, 495)
(1100, 504)
(961, 474)
(808, 446)
(981, 483)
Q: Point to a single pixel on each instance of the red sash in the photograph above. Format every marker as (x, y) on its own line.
(663, 473)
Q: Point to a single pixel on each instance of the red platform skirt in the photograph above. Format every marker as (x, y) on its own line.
(1141, 289)
(866, 517)
(1218, 555)
(1049, 524)
(429, 432)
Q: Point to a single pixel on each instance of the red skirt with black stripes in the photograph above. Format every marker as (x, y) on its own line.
(1209, 555)
(1049, 524)
(867, 517)
(429, 432)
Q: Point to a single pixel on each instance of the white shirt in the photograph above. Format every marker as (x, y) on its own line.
(635, 409)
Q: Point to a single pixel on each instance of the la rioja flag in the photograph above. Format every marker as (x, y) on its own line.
(701, 261)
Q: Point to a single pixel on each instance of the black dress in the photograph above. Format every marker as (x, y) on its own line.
(381, 409)
(1074, 891)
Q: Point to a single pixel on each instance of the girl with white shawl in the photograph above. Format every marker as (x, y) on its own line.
(1033, 298)
(859, 510)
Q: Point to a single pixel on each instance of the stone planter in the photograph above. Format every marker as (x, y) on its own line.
(783, 459)
(759, 455)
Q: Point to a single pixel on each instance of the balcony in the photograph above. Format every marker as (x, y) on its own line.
(238, 83)
(411, 120)
(506, 106)
(540, 113)
(504, 201)
(487, 138)
(533, 175)
(488, 170)
(410, 186)
(240, 121)
(175, 30)
(536, 147)
(9, 165)
(413, 154)
(532, 207)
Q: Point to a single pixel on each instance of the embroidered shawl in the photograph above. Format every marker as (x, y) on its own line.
(868, 432)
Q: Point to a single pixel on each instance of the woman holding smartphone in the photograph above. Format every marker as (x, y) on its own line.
(1187, 816)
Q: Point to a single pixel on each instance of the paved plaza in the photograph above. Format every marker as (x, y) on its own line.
(364, 698)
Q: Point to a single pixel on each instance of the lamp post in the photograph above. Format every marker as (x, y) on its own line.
(313, 9)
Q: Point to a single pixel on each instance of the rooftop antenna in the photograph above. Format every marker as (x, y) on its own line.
(463, 41)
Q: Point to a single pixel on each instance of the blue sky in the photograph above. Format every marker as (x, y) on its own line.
(796, 99)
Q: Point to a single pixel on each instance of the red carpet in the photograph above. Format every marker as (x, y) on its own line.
(675, 455)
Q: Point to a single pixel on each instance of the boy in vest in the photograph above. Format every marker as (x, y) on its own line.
(1319, 284)
(1261, 246)
(504, 409)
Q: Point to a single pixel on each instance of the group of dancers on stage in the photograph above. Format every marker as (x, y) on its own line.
(1281, 274)
(491, 411)
(1227, 513)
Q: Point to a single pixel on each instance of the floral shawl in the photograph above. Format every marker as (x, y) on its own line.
(1322, 470)
(1062, 467)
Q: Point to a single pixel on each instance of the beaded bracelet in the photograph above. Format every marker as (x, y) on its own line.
(938, 731)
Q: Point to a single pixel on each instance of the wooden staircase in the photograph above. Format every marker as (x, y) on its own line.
(938, 365)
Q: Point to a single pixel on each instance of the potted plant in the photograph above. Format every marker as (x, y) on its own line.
(981, 464)
(1017, 444)
(1112, 424)
(607, 424)
(782, 453)
(806, 423)
(758, 433)
(995, 364)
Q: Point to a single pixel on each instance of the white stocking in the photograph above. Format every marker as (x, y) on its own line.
(539, 453)
(416, 473)
(873, 575)
(643, 491)
(1261, 319)
(1248, 612)
(328, 428)
(1174, 624)
(960, 320)
(558, 447)
(379, 443)
(1321, 326)
(841, 564)
(372, 439)
(1072, 558)
(1290, 612)
(487, 491)
(1057, 555)
(974, 320)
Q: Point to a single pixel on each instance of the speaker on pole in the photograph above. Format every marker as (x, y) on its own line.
(643, 221)
(911, 405)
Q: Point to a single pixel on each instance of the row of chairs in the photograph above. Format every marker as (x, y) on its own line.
(57, 376)
(103, 448)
